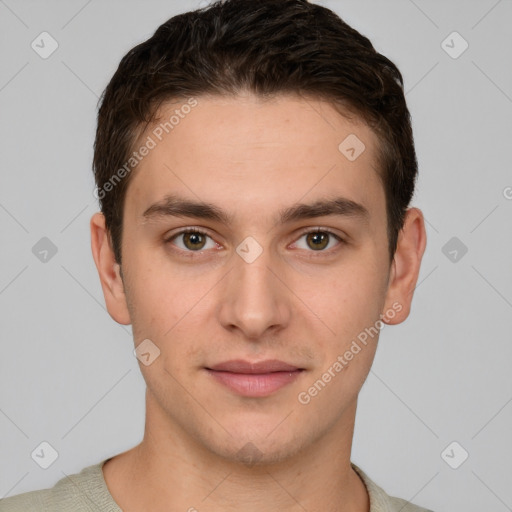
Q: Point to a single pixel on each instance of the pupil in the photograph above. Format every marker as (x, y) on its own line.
(319, 240)
(194, 240)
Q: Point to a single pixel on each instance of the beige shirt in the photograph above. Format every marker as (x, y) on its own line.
(87, 492)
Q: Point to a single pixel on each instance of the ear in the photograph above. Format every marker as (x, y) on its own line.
(108, 270)
(405, 267)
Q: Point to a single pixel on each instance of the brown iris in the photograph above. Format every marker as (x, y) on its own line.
(194, 241)
(317, 240)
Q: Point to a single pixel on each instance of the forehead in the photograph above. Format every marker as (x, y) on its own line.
(265, 152)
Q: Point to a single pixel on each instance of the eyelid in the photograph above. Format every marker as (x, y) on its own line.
(319, 229)
(189, 229)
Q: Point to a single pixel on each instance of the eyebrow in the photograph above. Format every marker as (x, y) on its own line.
(175, 206)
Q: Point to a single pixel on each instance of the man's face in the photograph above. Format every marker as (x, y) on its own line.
(287, 294)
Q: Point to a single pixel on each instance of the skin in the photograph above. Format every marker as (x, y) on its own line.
(252, 158)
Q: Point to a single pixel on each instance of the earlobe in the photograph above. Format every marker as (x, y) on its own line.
(109, 271)
(405, 269)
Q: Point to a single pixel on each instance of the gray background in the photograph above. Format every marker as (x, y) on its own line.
(67, 372)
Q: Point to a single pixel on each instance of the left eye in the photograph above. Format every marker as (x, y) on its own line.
(193, 241)
(318, 240)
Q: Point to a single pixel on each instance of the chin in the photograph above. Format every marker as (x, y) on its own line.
(257, 449)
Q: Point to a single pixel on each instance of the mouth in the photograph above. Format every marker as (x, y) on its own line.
(254, 379)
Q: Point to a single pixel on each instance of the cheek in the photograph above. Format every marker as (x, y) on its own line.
(347, 302)
(151, 299)
(352, 309)
(166, 309)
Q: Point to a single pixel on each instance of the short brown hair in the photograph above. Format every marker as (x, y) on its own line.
(267, 47)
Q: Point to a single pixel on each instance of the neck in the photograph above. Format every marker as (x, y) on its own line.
(170, 470)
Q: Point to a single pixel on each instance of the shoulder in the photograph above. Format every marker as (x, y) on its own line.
(81, 492)
(401, 505)
(33, 500)
(382, 502)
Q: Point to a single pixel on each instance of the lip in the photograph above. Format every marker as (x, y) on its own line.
(257, 379)
(241, 366)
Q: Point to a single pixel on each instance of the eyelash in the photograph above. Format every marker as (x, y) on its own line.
(319, 253)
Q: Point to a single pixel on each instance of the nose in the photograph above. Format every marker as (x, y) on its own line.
(254, 300)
